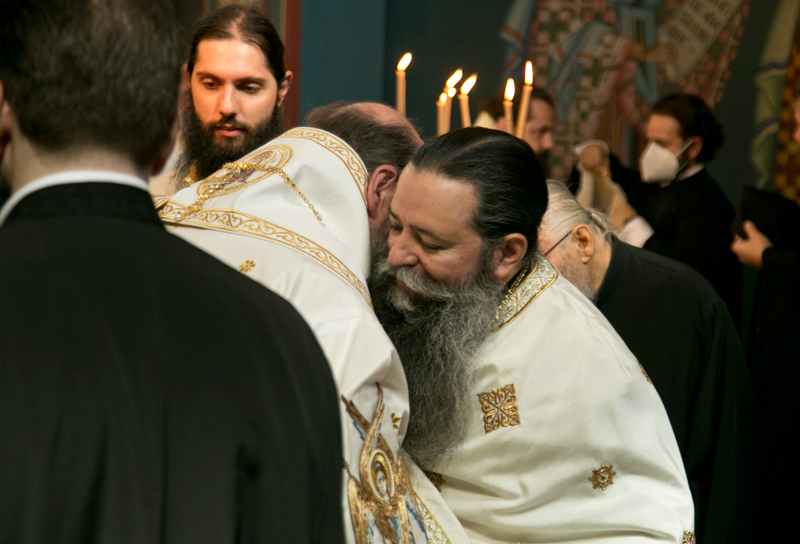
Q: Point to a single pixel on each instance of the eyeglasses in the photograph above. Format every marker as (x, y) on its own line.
(556, 244)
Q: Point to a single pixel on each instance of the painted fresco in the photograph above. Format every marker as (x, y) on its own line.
(606, 62)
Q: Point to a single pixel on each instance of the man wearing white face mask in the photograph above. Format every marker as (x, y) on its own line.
(672, 205)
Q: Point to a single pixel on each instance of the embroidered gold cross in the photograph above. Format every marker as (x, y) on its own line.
(499, 408)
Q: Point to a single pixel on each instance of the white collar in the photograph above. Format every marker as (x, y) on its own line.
(689, 172)
(68, 177)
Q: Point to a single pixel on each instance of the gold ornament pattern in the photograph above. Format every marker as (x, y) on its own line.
(247, 266)
(396, 421)
(534, 284)
(436, 479)
(602, 477)
(499, 408)
(346, 154)
(232, 221)
(380, 501)
(436, 534)
(643, 371)
(688, 537)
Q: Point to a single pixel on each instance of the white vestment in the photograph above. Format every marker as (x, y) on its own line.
(294, 218)
(568, 439)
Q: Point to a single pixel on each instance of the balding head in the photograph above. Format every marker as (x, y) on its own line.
(384, 140)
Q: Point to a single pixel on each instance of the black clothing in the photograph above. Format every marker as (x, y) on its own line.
(150, 393)
(679, 329)
(773, 356)
(691, 220)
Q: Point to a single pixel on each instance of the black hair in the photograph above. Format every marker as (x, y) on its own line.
(494, 104)
(247, 24)
(695, 119)
(509, 182)
(92, 73)
(375, 142)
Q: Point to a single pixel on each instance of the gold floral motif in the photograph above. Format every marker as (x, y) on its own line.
(500, 408)
(232, 221)
(602, 477)
(436, 534)
(345, 153)
(643, 371)
(247, 266)
(396, 421)
(436, 479)
(688, 537)
(517, 301)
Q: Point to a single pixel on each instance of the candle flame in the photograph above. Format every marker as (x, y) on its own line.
(509, 94)
(455, 78)
(443, 98)
(528, 73)
(451, 92)
(404, 62)
(469, 83)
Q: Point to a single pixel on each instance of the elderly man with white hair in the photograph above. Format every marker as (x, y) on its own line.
(680, 330)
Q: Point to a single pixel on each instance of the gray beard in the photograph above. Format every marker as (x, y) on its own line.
(436, 336)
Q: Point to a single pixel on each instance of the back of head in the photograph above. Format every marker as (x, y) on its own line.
(376, 142)
(695, 119)
(564, 213)
(509, 182)
(245, 23)
(494, 104)
(91, 74)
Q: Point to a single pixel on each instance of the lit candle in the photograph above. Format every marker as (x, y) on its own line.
(463, 100)
(508, 106)
(450, 90)
(400, 98)
(440, 109)
(524, 104)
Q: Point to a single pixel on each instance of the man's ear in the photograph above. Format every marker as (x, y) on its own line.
(583, 237)
(507, 255)
(283, 88)
(166, 151)
(380, 190)
(694, 148)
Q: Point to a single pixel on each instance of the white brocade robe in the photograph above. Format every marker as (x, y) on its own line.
(559, 396)
(302, 231)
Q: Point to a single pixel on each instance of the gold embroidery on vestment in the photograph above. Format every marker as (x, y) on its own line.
(248, 225)
(436, 479)
(436, 534)
(247, 266)
(643, 371)
(688, 537)
(534, 284)
(380, 497)
(602, 477)
(500, 408)
(341, 149)
(396, 421)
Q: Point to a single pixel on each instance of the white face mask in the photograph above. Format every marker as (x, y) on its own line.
(657, 164)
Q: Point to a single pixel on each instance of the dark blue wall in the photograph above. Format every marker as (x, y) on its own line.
(443, 36)
(342, 51)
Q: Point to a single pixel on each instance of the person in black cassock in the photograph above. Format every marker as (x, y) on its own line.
(148, 392)
(768, 241)
(682, 208)
(681, 332)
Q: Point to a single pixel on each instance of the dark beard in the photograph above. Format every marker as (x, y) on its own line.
(544, 161)
(207, 155)
(436, 339)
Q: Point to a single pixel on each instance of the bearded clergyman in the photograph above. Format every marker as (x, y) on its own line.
(237, 82)
(530, 419)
